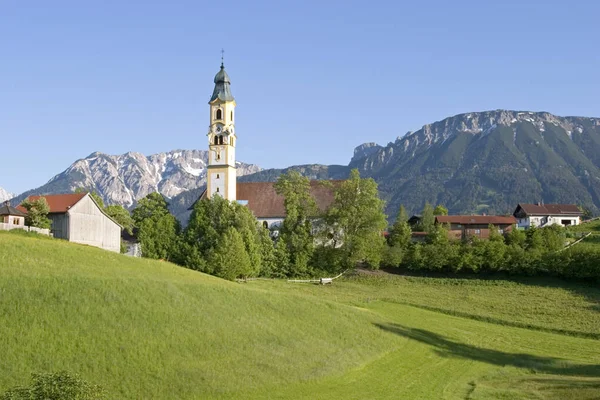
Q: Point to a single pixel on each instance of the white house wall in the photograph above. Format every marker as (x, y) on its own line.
(537, 220)
(88, 225)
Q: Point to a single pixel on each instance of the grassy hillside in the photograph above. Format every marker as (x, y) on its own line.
(147, 329)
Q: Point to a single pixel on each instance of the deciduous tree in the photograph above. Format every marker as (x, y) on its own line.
(158, 230)
(357, 216)
(37, 213)
(296, 231)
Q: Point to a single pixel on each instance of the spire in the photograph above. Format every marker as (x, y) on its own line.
(222, 89)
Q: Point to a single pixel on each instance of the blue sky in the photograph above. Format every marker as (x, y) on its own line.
(312, 79)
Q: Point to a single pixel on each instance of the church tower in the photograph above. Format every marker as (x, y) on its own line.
(221, 176)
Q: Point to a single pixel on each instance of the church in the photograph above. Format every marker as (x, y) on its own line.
(221, 178)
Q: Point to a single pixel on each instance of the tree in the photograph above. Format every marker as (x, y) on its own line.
(402, 215)
(268, 264)
(158, 230)
(440, 210)
(208, 224)
(230, 259)
(398, 240)
(516, 237)
(56, 386)
(587, 213)
(122, 216)
(400, 233)
(357, 217)
(37, 213)
(427, 221)
(296, 231)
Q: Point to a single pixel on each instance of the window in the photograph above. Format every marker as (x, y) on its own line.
(217, 190)
(232, 115)
(216, 140)
(477, 231)
(220, 139)
(265, 225)
(231, 141)
(219, 114)
(218, 176)
(16, 221)
(218, 156)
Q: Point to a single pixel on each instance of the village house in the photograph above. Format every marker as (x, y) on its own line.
(465, 226)
(540, 215)
(77, 218)
(11, 216)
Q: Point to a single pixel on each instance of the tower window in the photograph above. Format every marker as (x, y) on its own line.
(216, 140)
(218, 176)
(218, 156)
(217, 190)
(231, 141)
(232, 115)
(220, 139)
(219, 114)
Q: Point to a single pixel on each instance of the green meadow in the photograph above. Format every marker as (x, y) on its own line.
(146, 329)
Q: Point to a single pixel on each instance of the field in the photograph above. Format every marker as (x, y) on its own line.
(148, 329)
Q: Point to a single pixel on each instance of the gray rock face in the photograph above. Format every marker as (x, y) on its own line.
(490, 161)
(124, 179)
(4, 195)
(364, 150)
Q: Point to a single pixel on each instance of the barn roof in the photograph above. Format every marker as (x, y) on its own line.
(476, 219)
(61, 203)
(550, 209)
(264, 202)
(58, 203)
(7, 209)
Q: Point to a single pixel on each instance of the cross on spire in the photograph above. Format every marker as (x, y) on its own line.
(222, 56)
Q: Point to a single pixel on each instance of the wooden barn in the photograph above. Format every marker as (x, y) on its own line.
(76, 217)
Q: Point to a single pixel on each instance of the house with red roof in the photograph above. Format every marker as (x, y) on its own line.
(540, 215)
(465, 226)
(76, 217)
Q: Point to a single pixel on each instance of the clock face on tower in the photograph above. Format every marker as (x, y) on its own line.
(219, 128)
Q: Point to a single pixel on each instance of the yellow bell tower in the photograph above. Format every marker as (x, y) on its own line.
(221, 175)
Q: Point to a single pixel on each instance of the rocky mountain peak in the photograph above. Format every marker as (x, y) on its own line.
(5, 195)
(365, 150)
(126, 178)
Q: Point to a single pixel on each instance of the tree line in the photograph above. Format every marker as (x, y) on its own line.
(224, 238)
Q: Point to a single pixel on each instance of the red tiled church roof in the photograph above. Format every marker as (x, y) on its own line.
(58, 203)
(264, 202)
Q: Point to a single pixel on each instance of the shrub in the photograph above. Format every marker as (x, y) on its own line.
(56, 386)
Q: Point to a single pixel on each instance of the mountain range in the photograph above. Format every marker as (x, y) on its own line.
(126, 178)
(478, 162)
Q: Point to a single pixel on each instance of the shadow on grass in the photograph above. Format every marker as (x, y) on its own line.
(590, 290)
(449, 348)
(498, 321)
